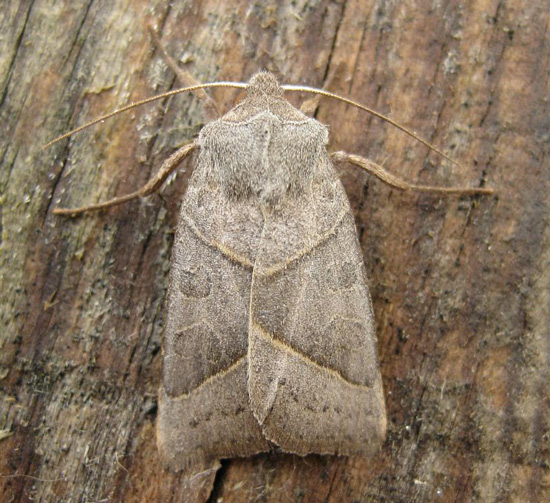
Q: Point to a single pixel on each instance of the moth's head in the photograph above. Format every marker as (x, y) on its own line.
(264, 84)
(263, 93)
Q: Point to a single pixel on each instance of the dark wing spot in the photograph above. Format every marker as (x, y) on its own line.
(195, 282)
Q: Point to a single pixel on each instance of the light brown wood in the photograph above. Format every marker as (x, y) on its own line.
(459, 284)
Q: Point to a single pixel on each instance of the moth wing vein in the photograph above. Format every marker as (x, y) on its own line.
(288, 348)
(218, 375)
(220, 247)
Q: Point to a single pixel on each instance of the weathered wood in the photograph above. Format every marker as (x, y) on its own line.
(460, 285)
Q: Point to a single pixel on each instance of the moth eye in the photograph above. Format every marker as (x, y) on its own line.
(195, 283)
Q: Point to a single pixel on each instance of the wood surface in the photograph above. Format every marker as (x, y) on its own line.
(460, 285)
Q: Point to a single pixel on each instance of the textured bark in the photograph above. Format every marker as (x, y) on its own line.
(459, 285)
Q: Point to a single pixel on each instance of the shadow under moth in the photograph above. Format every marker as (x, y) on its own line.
(269, 339)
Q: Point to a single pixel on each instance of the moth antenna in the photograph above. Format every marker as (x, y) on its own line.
(186, 79)
(412, 134)
(239, 85)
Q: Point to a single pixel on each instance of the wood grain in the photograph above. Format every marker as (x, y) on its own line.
(460, 285)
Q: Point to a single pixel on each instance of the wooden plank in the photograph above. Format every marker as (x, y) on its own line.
(460, 285)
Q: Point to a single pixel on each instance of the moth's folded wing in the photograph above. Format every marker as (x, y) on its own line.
(204, 410)
(314, 383)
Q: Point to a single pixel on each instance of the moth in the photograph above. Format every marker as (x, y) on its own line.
(269, 340)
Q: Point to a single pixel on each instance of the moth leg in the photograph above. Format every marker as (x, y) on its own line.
(400, 184)
(151, 186)
(210, 107)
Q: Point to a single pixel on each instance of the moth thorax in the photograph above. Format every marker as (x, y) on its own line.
(264, 158)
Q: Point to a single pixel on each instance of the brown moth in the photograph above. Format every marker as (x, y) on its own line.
(269, 339)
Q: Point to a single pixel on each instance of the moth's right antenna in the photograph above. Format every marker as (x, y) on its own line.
(412, 134)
